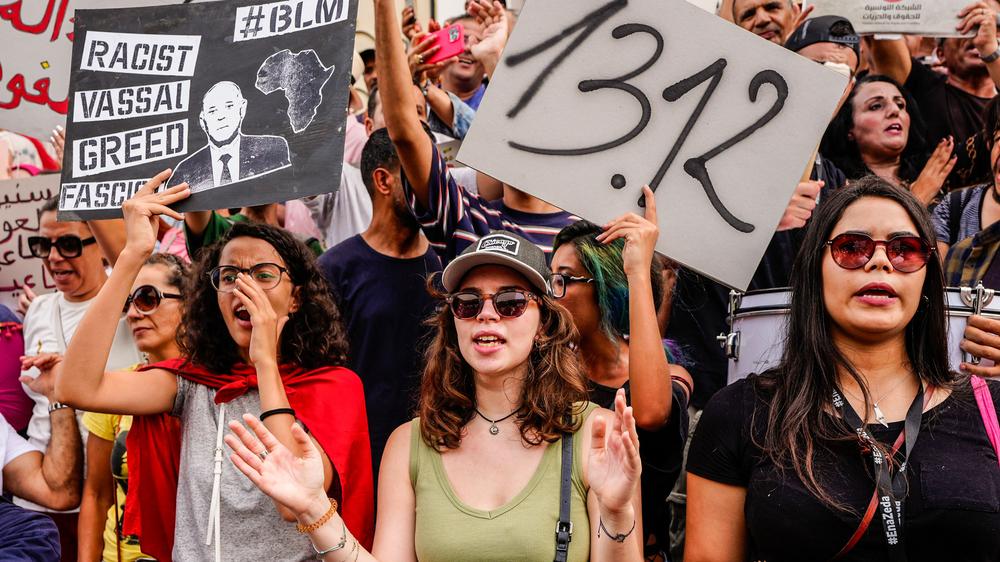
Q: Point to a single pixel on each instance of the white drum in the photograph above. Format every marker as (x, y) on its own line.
(960, 307)
(757, 331)
(758, 327)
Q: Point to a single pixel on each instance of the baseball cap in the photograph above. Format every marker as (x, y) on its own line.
(500, 248)
(818, 30)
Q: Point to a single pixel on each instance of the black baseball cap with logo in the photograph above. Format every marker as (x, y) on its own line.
(825, 29)
(500, 248)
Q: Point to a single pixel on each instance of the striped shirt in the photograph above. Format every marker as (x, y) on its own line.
(456, 218)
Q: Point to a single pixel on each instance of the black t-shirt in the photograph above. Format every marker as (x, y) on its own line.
(662, 453)
(701, 306)
(384, 302)
(952, 511)
(946, 109)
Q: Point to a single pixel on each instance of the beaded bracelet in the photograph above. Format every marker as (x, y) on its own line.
(322, 520)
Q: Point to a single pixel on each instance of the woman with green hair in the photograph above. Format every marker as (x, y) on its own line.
(609, 280)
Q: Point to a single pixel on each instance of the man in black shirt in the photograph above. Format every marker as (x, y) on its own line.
(379, 280)
(952, 105)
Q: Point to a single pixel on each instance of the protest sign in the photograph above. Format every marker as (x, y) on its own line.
(244, 100)
(594, 98)
(35, 61)
(20, 202)
(933, 18)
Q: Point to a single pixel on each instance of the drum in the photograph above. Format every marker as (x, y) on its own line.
(758, 323)
(960, 307)
(756, 338)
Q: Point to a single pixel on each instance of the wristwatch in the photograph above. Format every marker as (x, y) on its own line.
(992, 56)
(53, 406)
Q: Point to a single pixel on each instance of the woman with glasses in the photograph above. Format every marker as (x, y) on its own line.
(609, 281)
(259, 334)
(861, 444)
(153, 312)
(504, 436)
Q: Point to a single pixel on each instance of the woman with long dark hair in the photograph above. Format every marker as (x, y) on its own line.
(609, 281)
(259, 334)
(879, 130)
(505, 446)
(862, 444)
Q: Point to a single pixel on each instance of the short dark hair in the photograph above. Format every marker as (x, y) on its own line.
(50, 206)
(991, 122)
(379, 152)
(367, 55)
(373, 101)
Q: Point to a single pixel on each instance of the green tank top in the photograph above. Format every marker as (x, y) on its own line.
(523, 529)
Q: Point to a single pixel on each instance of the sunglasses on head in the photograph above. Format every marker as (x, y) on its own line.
(68, 245)
(853, 250)
(147, 299)
(509, 303)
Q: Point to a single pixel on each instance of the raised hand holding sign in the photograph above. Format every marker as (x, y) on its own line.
(595, 98)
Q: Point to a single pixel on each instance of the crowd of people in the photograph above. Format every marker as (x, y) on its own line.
(430, 364)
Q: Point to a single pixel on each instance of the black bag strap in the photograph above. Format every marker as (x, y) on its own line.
(564, 527)
(957, 201)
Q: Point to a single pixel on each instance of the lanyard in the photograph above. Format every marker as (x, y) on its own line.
(890, 488)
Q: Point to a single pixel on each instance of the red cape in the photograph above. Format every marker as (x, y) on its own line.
(329, 401)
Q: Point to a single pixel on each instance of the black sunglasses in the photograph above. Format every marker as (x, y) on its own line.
(147, 299)
(853, 250)
(68, 245)
(509, 303)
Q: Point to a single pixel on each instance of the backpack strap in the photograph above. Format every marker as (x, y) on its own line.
(564, 527)
(988, 412)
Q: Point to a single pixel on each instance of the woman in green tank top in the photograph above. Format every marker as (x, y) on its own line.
(477, 476)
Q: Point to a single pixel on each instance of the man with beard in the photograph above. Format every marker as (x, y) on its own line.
(379, 281)
(773, 20)
(951, 105)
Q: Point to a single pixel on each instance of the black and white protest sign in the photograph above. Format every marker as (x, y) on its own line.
(933, 18)
(20, 203)
(244, 100)
(595, 98)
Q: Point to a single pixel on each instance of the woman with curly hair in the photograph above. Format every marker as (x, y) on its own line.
(505, 446)
(879, 130)
(609, 280)
(259, 334)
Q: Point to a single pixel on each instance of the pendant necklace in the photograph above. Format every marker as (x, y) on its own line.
(494, 430)
(879, 416)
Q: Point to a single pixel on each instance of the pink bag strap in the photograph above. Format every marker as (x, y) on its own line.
(988, 411)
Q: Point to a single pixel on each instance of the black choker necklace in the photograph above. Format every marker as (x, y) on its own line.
(493, 423)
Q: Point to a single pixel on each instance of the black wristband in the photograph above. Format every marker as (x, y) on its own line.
(277, 411)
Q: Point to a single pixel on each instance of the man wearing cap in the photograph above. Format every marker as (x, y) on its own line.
(951, 105)
(829, 40)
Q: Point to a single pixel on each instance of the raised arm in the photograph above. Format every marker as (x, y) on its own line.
(396, 87)
(492, 16)
(648, 370)
(83, 382)
(891, 58)
(296, 482)
(981, 18)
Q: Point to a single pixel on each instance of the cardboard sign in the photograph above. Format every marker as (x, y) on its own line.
(244, 100)
(594, 98)
(933, 18)
(20, 202)
(37, 36)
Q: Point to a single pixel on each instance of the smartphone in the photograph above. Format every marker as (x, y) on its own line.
(451, 41)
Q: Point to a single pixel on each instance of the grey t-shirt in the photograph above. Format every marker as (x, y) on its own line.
(251, 527)
(969, 224)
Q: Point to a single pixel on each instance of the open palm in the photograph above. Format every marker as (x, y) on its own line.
(289, 480)
(613, 466)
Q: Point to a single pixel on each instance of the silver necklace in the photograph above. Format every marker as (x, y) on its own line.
(879, 416)
(494, 430)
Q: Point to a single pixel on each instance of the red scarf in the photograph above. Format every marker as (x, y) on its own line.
(329, 401)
